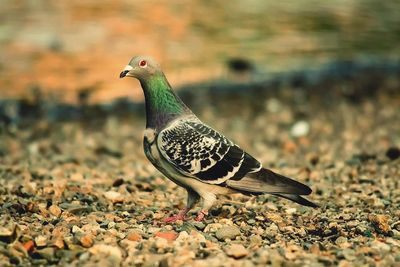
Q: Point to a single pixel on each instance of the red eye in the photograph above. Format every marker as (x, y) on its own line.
(143, 63)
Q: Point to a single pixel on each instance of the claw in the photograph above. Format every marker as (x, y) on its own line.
(174, 218)
(181, 216)
(201, 215)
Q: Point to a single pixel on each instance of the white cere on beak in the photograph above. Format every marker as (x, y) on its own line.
(128, 68)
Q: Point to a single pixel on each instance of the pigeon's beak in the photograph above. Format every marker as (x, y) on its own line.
(125, 72)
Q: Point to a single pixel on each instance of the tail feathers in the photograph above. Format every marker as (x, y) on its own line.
(267, 181)
(298, 199)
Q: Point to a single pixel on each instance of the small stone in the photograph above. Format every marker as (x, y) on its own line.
(289, 146)
(274, 217)
(396, 234)
(55, 210)
(170, 235)
(349, 254)
(111, 225)
(300, 128)
(199, 225)
(273, 105)
(118, 182)
(77, 177)
(29, 245)
(41, 241)
(153, 230)
(271, 231)
(134, 236)
(58, 243)
(313, 159)
(393, 153)
(194, 235)
(161, 243)
(114, 196)
(8, 232)
(380, 222)
(315, 248)
(251, 221)
(341, 240)
(227, 232)
(183, 235)
(46, 253)
(255, 241)
(107, 251)
(76, 229)
(237, 251)
(292, 252)
(86, 241)
(290, 211)
(380, 246)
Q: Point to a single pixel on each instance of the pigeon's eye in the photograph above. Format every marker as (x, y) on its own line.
(142, 63)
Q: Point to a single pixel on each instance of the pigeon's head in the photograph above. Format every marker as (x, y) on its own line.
(141, 67)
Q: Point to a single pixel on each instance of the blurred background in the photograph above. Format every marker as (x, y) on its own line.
(66, 48)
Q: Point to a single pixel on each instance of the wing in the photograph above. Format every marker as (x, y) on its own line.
(198, 151)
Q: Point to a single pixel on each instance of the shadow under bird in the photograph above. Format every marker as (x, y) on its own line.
(194, 155)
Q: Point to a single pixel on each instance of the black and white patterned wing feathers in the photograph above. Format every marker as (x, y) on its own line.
(198, 151)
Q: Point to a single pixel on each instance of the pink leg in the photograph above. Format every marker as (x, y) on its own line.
(201, 215)
(180, 216)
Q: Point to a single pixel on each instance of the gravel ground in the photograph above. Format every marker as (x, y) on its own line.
(81, 193)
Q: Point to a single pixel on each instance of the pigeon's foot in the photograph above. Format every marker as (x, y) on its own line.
(181, 216)
(201, 215)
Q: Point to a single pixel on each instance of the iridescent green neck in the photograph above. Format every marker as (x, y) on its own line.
(162, 104)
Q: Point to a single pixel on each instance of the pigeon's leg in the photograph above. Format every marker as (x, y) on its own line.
(208, 201)
(192, 199)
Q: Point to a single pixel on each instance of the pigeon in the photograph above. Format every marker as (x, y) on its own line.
(194, 155)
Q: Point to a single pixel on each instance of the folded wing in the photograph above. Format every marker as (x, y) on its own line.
(198, 151)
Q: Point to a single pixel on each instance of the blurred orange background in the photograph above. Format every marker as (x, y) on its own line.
(63, 47)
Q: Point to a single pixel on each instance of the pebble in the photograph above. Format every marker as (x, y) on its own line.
(29, 245)
(170, 235)
(255, 241)
(8, 232)
(349, 254)
(161, 243)
(134, 236)
(393, 153)
(200, 238)
(236, 251)
(199, 225)
(291, 211)
(380, 222)
(86, 240)
(46, 253)
(107, 251)
(58, 242)
(153, 230)
(182, 236)
(272, 230)
(55, 210)
(76, 229)
(251, 221)
(300, 128)
(380, 246)
(114, 196)
(274, 217)
(341, 240)
(227, 232)
(41, 241)
(77, 177)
